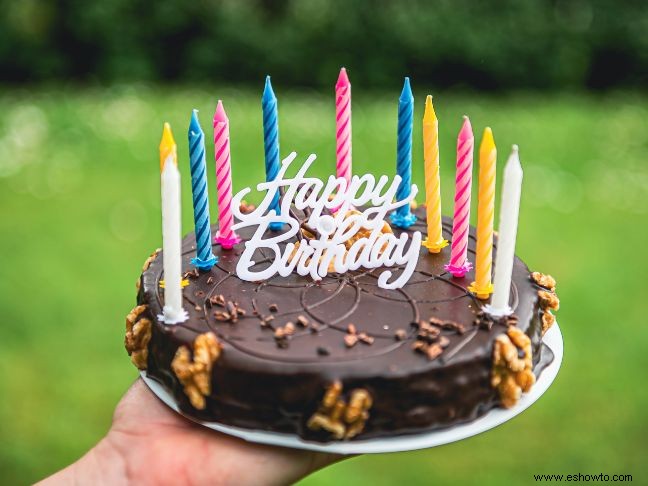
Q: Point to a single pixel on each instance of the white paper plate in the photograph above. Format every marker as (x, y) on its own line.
(553, 339)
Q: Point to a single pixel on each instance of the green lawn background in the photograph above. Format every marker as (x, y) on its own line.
(79, 213)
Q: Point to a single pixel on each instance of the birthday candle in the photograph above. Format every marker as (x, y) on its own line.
(434, 241)
(459, 264)
(271, 143)
(205, 258)
(172, 312)
(482, 286)
(403, 217)
(343, 125)
(509, 210)
(226, 236)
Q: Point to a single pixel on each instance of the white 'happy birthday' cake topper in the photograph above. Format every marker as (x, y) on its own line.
(313, 256)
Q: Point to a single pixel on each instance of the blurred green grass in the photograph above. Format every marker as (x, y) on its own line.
(79, 212)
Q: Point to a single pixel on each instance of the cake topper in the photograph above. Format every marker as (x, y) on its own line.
(327, 208)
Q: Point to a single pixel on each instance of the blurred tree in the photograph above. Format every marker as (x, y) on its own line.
(490, 44)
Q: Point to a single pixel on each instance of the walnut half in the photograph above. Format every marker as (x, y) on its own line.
(512, 374)
(138, 335)
(546, 281)
(342, 420)
(547, 298)
(194, 373)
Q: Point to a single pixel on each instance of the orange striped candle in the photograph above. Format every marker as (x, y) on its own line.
(434, 241)
(482, 287)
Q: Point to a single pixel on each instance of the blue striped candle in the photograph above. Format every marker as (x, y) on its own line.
(271, 143)
(205, 258)
(403, 217)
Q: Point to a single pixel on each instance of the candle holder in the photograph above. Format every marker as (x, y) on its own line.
(171, 315)
(204, 265)
(403, 221)
(498, 312)
(435, 246)
(481, 293)
(227, 242)
(459, 271)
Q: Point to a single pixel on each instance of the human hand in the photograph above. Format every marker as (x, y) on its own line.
(148, 443)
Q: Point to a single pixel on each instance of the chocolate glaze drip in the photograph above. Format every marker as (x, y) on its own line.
(259, 385)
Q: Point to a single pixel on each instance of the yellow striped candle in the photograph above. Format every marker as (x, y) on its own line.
(482, 287)
(434, 241)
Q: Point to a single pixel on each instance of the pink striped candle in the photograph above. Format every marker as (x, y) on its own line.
(459, 264)
(226, 237)
(343, 125)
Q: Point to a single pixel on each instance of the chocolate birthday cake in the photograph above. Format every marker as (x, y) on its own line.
(339, 358)
(335, 309)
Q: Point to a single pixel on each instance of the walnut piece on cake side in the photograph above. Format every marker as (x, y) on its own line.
(193, 370)
(512, 371)
(547, 298)
(341, 419)
(138, 335)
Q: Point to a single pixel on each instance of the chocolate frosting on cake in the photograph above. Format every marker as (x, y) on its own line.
(263, 382)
